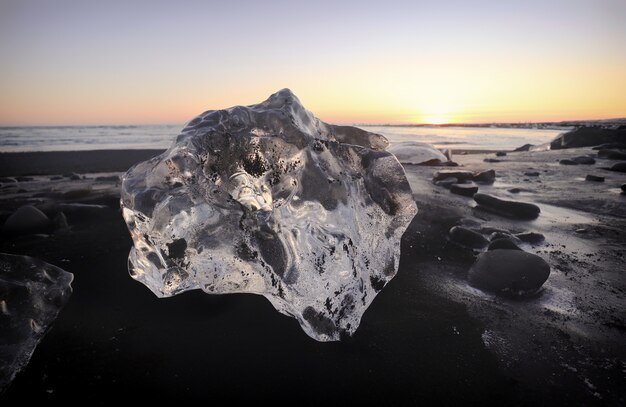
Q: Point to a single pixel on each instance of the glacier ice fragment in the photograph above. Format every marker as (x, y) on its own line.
(267, 199)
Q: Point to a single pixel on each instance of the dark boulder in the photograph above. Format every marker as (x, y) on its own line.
(619, 167)
(567, 161)
(503, 244)
(464, 189)
(26, 220)
(531, 237)
(525, 147)
(500, 154)
(447, 182)
(584, 159)
(511, 209)
(461, 176)
(595, 178)
(485, 177)
(619, 146)
(492, 160)
(468, 238)
(612, 154)
(588, 136)
(513, 272)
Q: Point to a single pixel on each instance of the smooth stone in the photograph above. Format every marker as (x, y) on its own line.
(492, 160)
(60, 221)
(509, 272)
(532, 174)
(113, 178)
(595, 178)
(503, 235)
(26, 220)
(464, 189)
(530, 237)
(500, 154)
(567, 161)
(612, 154)
(8, 180)
(515, 190)
(486, 177)
(459, 175)
(623, 187)
(468, 238)
(607, 146)
(525, 147)
(24, 179)
(512, 209)
(446, 183)
(619, 167)
(584, 160)
(502, 244)
(72, 175)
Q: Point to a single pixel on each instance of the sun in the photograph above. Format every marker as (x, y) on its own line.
(436, 118)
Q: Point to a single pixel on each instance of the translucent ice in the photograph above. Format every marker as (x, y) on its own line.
(267, 199)
(32, 293)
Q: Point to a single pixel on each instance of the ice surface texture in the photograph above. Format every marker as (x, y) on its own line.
(32, 293)
(267, 199)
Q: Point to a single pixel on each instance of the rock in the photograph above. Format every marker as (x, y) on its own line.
(268, 199)
(587, 137)
(583, 159)
(56, 178)
(411, 152)
(623, 187)
(464, 189)
(581, 231)
(525, 147)
(72, 175)
(77, 193)
(26, 220)
(460, 176)
(612, 154)
(530, 237)
(608, 146)
(500, 154)
(513, 272)
(485, 177)
(511, 209)
(503, 235)
(492, 160)
(595, 178)
(8, 180)
(531, 174)
(24, 179)
(619, 167)
(515, 190)
(468, 238)
(33, 293)
(567, 161)
(447, 183)
(110, 178)
(499, 244)
(60, 221)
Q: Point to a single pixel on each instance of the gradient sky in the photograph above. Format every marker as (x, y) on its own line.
(123, 62)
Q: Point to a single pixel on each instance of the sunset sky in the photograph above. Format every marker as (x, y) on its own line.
(134, 62)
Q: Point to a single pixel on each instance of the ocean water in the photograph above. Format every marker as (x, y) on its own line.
(75, 138)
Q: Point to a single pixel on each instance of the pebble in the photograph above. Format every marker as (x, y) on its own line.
(503, 243)
(459, 175)
(584, 160)
(595, 178)
(512, 209)
(447, 183)
(468, 238)
(568, 162)
(500, 154)
(530, 237)
(492, 160)
(26, 220)
(612, 154)
(485, 177)
(532, 174)
(464, 189)
(619, 167)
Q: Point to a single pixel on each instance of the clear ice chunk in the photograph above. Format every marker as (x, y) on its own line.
(32, 293)
(267, 199)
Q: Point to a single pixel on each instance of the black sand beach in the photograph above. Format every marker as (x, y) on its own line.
(428, 338)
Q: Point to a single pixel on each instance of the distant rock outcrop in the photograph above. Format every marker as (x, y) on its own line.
(588, 136)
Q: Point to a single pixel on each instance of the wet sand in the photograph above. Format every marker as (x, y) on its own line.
(428, 338)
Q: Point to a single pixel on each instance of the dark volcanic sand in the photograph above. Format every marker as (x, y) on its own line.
(428, 338)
